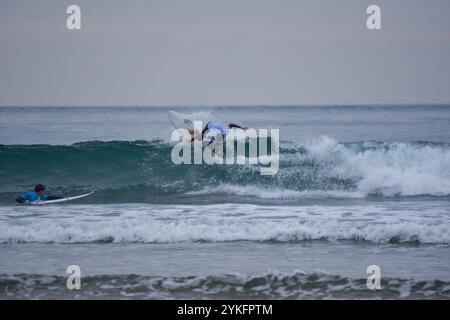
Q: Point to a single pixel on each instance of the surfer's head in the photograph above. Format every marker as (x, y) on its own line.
(40, 189)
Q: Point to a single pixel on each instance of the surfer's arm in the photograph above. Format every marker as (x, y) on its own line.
(233, 125)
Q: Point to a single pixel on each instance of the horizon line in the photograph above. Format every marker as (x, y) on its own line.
(233, 105)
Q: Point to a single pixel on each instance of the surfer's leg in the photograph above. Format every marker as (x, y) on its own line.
(206, 128)
(20, 200)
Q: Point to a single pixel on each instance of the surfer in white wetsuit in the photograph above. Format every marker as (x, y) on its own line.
(213, 126)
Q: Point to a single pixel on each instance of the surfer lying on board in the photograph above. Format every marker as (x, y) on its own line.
(37, 195)
(215, 126)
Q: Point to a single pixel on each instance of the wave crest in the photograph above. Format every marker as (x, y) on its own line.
(315, 168)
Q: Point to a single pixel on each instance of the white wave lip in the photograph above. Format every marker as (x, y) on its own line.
(228, 222)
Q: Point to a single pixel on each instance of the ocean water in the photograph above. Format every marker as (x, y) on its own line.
(357, 186)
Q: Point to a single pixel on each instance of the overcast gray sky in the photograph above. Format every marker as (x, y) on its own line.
(224, 52)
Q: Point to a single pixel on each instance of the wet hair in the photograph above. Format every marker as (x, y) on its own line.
(39, 187)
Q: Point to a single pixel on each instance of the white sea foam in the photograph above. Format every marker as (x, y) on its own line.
(227, 222)
(387, 169)
(271, 284)
(390, 169)
(276, 193)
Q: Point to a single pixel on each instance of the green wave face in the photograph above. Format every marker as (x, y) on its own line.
(142, 171)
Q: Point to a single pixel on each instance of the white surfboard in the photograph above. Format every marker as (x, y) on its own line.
(39, 203)
(183, 121)
(180, 121)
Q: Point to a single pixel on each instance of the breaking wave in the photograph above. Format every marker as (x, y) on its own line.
(142, 171)
(135, 223)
